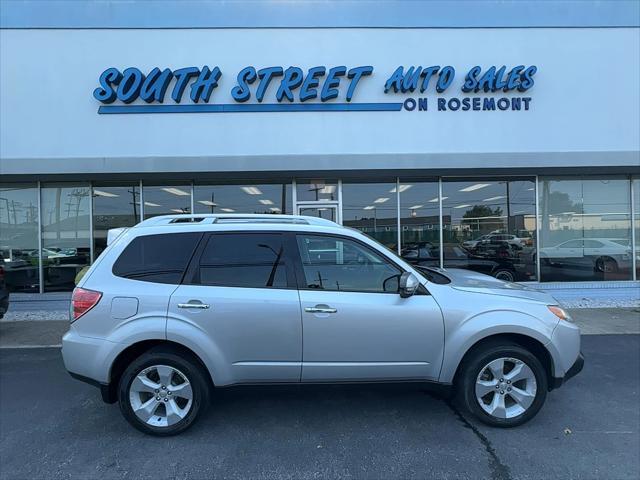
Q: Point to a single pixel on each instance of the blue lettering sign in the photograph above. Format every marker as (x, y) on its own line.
(300, 88)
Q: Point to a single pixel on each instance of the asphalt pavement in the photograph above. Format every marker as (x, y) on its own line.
(53, 427)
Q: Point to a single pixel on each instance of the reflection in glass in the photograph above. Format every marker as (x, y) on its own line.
(489, 227)
(373, 209)
(65, 234)
(328, 213)
(19, 237)
(585, 229)
(313, 190)
(420, 223)
(166, 200)
(113, 207)
(244, 198)
(636, 222)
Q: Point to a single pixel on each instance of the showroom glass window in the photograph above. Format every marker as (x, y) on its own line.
(372, 208)
(585, 229)
(114, 206)
(489, 226)
(166, 199)
(66, 237)
(242, 198)
(636, 222)
(420, 223)
(316, 190)
(19, 236)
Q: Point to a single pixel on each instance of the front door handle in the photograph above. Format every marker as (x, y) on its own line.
(202, 306)
(320, 309)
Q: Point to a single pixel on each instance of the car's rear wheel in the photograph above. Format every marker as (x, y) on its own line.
(505, 275)
(162, 393)
(502, 385)
(606, 265)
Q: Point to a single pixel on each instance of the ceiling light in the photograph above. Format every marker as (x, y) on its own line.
(100, 193)
(274, 209)
(530, 189)
(151, 204)
(177, 210)
(381, 200)
(462, 206)
(252, 190)
(369, 207)
(415, 207)
(477, 186)
(265, 201)
(208, 203)
(402, 188)
(328, 189)
(227, 209)
(435, 200)
(176, 191)
(494, 198)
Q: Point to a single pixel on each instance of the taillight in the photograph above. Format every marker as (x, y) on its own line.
(82, 301)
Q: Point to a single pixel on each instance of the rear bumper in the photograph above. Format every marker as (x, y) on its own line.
(575, 369)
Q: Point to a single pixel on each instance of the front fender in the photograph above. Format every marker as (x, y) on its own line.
(462, 336)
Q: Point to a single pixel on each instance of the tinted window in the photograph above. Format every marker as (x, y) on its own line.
(157, 258)
(572, 244)
(332, 263)
(244, 260)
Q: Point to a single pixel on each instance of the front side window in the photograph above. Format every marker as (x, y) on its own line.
(157, 258)
(243, 260)
(339, 264)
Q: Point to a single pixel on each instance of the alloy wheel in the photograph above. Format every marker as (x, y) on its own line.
(160, 396)
(506, 387)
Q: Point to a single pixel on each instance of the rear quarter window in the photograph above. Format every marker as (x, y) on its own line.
(159, 258)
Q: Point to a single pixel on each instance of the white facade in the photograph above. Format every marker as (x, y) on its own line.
(584, 108)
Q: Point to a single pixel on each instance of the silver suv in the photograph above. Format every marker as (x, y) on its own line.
(179, 305)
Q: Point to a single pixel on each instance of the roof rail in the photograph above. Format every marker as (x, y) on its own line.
(210, 218)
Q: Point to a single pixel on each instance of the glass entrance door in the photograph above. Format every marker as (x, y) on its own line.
(326, 211)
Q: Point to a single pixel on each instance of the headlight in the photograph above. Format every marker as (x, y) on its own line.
(560, 312)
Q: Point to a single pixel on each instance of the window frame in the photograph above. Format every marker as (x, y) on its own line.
(192, 273)
(299, 267)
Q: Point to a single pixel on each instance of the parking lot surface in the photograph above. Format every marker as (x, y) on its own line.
(52, 426)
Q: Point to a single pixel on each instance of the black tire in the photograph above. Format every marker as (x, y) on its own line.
(193, 372)
(471, 368)
(504, 274)
(606, 265)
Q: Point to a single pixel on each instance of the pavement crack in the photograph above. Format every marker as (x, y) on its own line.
(499, 471)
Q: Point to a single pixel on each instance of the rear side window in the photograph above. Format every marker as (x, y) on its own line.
(243, 260)
(157, 258)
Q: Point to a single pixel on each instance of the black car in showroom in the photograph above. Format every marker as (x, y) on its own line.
(4, 291)
(498, 260)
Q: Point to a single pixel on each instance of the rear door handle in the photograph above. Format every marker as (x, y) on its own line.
(320, 309)
(202, 306)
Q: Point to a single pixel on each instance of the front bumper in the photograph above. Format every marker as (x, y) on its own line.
(575, 369)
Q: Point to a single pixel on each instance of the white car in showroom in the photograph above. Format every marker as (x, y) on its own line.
(603, 254)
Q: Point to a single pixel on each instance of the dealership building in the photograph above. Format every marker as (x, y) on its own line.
(503, 137)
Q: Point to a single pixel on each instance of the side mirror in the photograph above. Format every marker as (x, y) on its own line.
(408, 284)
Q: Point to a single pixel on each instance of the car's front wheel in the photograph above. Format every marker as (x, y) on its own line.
(162, 393)
(502, 385)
